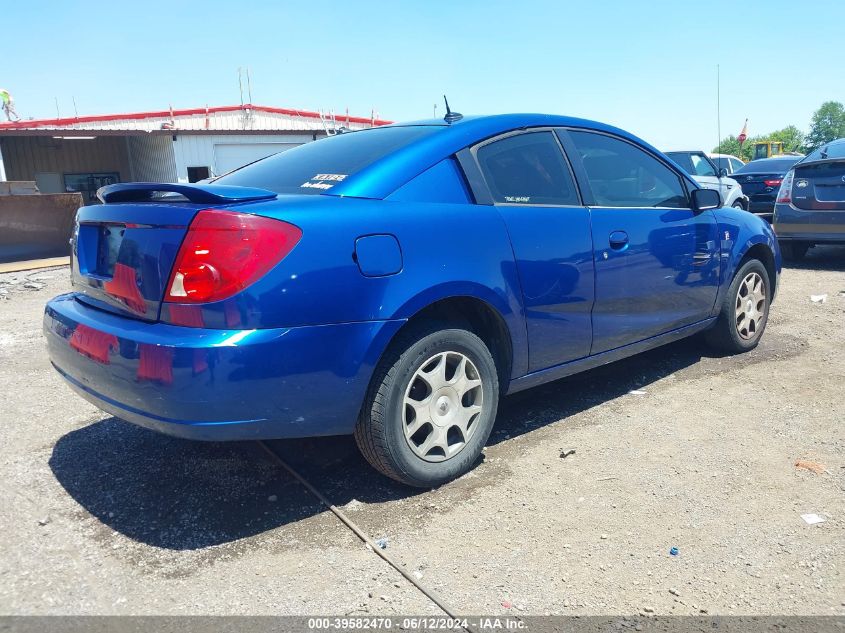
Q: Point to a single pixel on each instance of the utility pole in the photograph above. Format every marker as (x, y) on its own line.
(718, 106)
(241, 85)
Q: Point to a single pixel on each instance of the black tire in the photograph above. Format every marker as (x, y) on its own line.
(725, 335)
(738, 205)
(380, 431)
(793, 251)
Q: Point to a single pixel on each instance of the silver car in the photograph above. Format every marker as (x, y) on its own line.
(698, 165)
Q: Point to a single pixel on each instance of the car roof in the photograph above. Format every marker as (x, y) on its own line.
(387, 174)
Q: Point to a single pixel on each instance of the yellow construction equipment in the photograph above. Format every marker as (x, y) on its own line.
(767, 149)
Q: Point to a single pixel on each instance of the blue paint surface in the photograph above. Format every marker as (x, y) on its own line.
(378, 255)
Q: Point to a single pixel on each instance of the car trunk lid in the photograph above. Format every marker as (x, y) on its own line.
(124, 249)
(820, 186)
(764, 182)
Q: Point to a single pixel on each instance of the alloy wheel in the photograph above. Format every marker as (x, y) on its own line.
(750, 306)
(442, 404)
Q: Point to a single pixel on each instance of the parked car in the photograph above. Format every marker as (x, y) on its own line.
(810, 205)
(394, 282)
(727, 162)
(760, 180)
(698, 165)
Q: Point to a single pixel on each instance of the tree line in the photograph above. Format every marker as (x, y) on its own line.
(827, 124)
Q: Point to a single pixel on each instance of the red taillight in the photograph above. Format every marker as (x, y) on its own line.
(785, 191)
(773, 183)
(224, 252)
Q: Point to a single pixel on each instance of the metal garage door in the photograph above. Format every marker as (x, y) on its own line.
(229, 156)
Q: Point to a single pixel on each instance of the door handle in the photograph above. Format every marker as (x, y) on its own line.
(618, 240)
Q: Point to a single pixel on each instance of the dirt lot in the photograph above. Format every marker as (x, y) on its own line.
(100, 517)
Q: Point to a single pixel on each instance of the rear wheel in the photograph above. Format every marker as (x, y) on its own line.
(793, 250)
(745, 310)
(431, 406)
(738, 205)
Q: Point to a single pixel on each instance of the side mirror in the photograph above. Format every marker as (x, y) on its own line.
(704, 199)
(723, 173)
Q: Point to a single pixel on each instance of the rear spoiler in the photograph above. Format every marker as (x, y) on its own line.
(202, 194)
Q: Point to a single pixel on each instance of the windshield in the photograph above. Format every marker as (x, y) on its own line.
(773, 165)
(834, 149)
(320, 165)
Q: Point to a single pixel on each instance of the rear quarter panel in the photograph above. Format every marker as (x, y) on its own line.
(447, 250)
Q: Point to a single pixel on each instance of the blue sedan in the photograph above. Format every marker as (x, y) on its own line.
(395, 282)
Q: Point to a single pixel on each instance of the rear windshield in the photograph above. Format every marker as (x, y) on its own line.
(773, 165)
(835, 149)
(320, 165)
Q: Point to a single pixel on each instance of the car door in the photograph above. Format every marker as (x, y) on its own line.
(532, 186)
(656, 260)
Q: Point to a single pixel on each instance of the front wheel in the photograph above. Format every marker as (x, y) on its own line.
(745, 310)
(738, 205)
(431, 406)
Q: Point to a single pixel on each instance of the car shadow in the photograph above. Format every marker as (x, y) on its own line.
(823, 257)
(528, 410)
(183, 495)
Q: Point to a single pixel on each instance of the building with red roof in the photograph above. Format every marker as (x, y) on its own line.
(86, 152)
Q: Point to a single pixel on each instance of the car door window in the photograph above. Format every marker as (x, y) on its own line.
(682, 159)
(701, 166)
(735, 164)
(623, 175)
(527, 168)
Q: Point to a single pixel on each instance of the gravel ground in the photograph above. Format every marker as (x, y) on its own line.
(101, 517)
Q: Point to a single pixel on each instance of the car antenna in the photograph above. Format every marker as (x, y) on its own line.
(451, 117)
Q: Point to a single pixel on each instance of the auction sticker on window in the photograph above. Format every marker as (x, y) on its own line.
(323, 181)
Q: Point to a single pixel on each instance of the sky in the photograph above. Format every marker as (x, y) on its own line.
(648, 66)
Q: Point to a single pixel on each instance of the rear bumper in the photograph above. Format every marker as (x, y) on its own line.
(816, 226)
(216, 384)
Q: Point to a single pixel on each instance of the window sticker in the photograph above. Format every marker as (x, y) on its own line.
(323, 181)
(517, 198)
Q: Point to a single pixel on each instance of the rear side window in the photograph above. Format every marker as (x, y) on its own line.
(622, 175)
(318, 166)
(527, 169)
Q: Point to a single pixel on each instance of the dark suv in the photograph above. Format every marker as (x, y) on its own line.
(810, 206)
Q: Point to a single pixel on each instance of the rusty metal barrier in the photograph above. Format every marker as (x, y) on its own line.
(36, 225)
